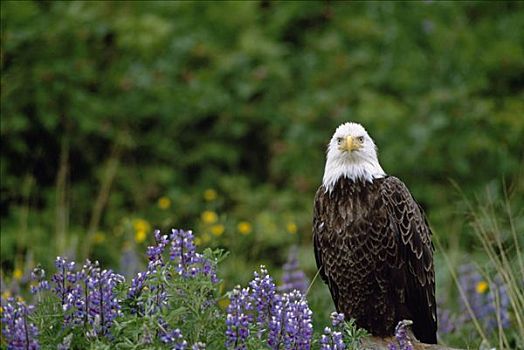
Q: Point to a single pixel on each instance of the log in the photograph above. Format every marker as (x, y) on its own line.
(377, 343)
(404, 331)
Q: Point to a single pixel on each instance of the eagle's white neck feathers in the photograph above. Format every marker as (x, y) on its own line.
(359, 164)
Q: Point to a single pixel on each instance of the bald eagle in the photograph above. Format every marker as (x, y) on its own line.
(372, 242)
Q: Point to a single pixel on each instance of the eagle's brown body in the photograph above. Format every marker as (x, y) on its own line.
(373, 248)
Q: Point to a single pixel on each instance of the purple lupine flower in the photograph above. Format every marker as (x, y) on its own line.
(156, 261)
(498, 305)
(286, 318)
(64, 278)
(66, 287)
(103, 305)
(129, 262)
(338, 341)
(333, 339)
(73, 304)
(297, 325)
(38, 274)
(174, 339)
(183, 252)
(198, 346)
(208, 269)
(402, 337)
(38, 277)
(337, 319)
(275, 335)
(19, 333)
(446, 321)
(238, 318)
(155, 253)
(160, 297)
(293, 277)
(137, 284)
(325, 339)
(392, 346)
(91, 300)
(263, 295)
(489, 303)
(75, 307)
(188, 262)
(469, 279)
(155, 256)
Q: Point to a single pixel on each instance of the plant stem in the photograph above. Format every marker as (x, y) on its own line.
(111, 169)
(100, 290)
(26, 331)
(86, 314)
(63, 284)
(62, 209)
(461, 291)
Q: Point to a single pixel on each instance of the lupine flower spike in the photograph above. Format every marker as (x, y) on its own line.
(298, 327)
(238, 319)
(263, 296)
(38, 278)
(402, 336)
(293, 277)
(333, 338)
(19, 333)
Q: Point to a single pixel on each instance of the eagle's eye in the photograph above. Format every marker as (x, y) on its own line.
(339, 140)
(360, 139)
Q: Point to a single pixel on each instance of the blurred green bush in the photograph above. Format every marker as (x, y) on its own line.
(118, 117)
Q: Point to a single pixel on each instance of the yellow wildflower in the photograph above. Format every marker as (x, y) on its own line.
(217, 230)
(141, 225)
(210, 195)
(481, 287)
(6, 294)
(140, 236)
(291, 227)
(99, 237)
(209, 217)
(206, 237)
(18, 273)
(164, 203)
(198, 241)
(244, 227)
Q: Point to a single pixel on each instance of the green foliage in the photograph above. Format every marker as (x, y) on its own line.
(188, 304)
(495, 220)
(189, 309)
(185, 96)
(166, 300)
(353, 335)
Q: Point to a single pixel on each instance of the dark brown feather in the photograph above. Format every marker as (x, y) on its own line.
(373, 247)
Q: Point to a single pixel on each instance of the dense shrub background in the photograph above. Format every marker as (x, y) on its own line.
(107, 107)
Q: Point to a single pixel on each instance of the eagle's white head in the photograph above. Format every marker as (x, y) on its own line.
(352, 154)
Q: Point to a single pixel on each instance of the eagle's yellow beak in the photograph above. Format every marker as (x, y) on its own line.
(350, 144)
